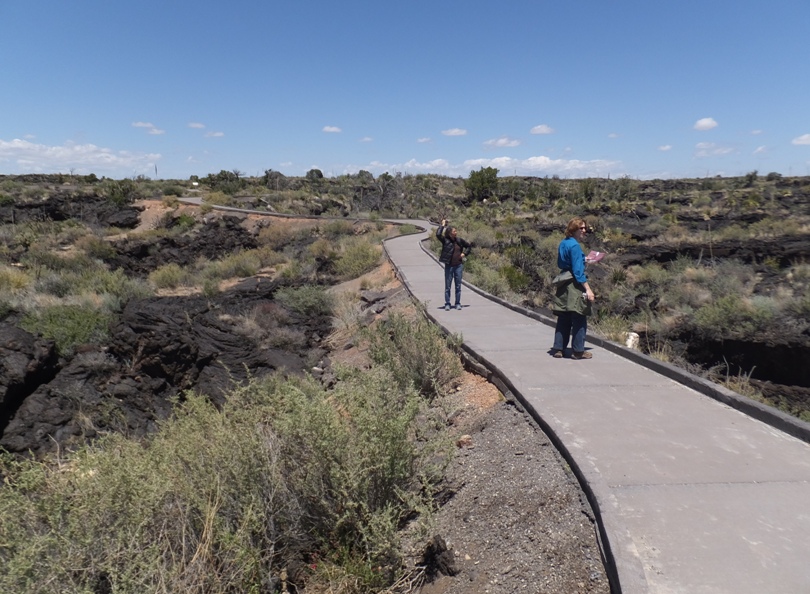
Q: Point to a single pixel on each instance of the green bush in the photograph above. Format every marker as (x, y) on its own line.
(735, 316)
(416, 352)
(96, 247)
(307, 301)
(236, 265)
(338, 228)
(516, 278)
(357, 256)
(169, 276)
(223, 501)
(68, 325)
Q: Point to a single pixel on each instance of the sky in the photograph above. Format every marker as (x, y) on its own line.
(573, 88)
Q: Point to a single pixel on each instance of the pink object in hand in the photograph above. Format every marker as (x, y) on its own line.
(594, 256)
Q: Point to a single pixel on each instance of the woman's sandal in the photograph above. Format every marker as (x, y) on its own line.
(582, 355)
(557, 354)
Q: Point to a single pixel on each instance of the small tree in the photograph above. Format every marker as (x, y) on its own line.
(275, 180)
(482, 183)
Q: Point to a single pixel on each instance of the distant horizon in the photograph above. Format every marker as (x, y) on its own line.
(500, 176)
(666, 90)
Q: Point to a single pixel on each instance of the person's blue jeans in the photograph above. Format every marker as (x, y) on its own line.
(570, 325)
(452, 274)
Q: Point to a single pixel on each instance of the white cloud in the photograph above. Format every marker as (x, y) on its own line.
(756, 132)
(28, 157)
(502, 142)
(803, 139)
(196, 125)
(366, 139)
(455, 132)
(760, 150)
(150, 128)
(423, 140)
(613, 135)
(705, 124)
(665, 147)
(214, 134)
(331, 129)
(710, 149)
(542, 129)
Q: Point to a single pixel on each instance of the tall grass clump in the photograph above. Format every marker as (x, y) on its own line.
(285, 475)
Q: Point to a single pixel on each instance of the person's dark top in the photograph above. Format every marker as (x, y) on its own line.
(452, 248)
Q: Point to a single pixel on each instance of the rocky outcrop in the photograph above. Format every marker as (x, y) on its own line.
(158, 348)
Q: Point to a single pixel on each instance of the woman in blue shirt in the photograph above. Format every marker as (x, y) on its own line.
(573, 296)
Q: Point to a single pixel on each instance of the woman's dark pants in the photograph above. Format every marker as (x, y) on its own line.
(570, 324)
(452, 274)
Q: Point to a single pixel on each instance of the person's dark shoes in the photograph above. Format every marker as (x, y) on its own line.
(458, 306)
(582, 355)
(447, 307)
(557, 353)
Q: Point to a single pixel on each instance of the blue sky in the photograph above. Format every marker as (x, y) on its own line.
(573, 88)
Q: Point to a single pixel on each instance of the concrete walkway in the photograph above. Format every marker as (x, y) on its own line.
(692, 495)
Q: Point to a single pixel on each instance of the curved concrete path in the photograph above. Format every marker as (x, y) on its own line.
(692, 495)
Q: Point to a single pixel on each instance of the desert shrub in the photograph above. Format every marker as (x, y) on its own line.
(266, 326)
(322, 250)
(114, 283)
(39, 257)
(799, 307)
(13, 280)
(222, 501)
(735, 316)
(775, 227)
(277, 236)
(652, 275)
(416, 352)
(407, 229)
(169, 276)
(68, 325)
(95, 247)
(307, 301)
(170, 201)
(731, 277)
(481, 235)
(218, 199)
(357, 256)
(485, 278)
(185, 221)
(173, 190)
(610, 327)
(269, 257)
(337, 228)
(294, 272)
(120, 192)
(239, 264)
(516, 279)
